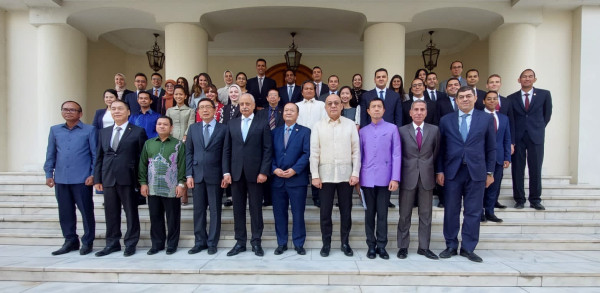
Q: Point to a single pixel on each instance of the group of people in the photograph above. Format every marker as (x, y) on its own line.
(263, 145)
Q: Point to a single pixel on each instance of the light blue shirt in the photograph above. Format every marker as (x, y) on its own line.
(212, 124)
(378, 90)
(469, 118)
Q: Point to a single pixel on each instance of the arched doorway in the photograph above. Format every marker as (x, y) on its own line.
(277, 73)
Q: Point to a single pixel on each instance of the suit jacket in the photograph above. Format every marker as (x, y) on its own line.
(252, 156)
(443, 106)
(437, 94)
(206, 163)
(98, 119)
(392, 103)
(134, 107)
(295, 155)
(506, 108)
(119, 167)
(324, 89)
(285, 98)
(431, 117)
(227, 111)
(160, 94)
(417, 163)
(324, 96)
(260, 96)
(534, 120)
(264, 116)
(503, 140)
(462, 82)
(478, 151)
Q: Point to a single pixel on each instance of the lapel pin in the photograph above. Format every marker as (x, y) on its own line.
(296, 130)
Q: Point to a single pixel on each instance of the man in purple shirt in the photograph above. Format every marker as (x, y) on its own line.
(380, 150)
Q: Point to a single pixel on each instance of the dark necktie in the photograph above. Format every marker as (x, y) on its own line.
(526, 102)
(495, 122)
(419, 138)
(117, 138)
(432, 96)
(286, 136)
(206, 134)
(381, 95)
(454, 105)
(272, 119)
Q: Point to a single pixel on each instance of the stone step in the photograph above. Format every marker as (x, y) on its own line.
(501, 268)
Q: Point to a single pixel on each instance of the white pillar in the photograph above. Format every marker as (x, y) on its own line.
(511, 50)
(384, 46)
(3, 93)
(584, 140)
(61, 76)
(186, 50)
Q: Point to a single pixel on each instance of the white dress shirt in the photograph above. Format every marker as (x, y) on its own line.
(114, 132)
(310, 112)
(530, 92)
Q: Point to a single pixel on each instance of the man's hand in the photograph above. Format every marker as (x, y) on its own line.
(50, 182)
(190, 182)
(489, 180)
(262, 178)
(506, 164)
(179, 191)
(353, 180)
(512, 149)
(316, 182)
(439, 178)
(289, 173)
(98, 186)
(89, 181)
(279, 173)
(227, 179)
(144, 190)
(393, 185)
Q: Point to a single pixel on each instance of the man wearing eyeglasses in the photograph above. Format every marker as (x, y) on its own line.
(418, 89)
(69, 167)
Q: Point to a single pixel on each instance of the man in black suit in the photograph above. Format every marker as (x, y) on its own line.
(290, 92)
(418, 90)
(333, 83)
(116, 173)
(320, 87)
(391, 100)
(141, 81)
(207, 172)
(532, 109)
(431, 82)
(248, 145)
(260, 85)
(156, 90)
(472, 80)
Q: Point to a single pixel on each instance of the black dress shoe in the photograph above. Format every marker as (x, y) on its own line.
(317, 202)
(85, 249)
(382, 253)
(440, 205)
(197, 248)
(129, 251)
(347, 250)
(280, 249)
(300, 250)
(371, 253)
(482, 219)
(448, 252)
(66, 248)
(236, 249)
(171, 250)
(107, 251)
(391, 205)
(228, 203)
(212, 250)
(325, 250)
(538, 206)
(493, 218)
(499, 206)
(258, 251)
(402, 253)
(153, 251)
(519, 205)
(337, 204)
(427, 253)
(267, 204)
(470, 255)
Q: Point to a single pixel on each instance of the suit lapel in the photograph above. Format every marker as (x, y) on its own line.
(411, 132)
(533, 99)
(292, 135)
(425, 133)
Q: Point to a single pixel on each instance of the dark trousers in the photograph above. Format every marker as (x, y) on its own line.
(425, 199)
(114, 197)
(439, 190)
(283, 197)
(525, 149)
(463, 188)
(210, 195)
(267, 198)
(314, 192)
(251, 192)
(376, 199)
(68, 197)
(344, 191)
(159, 207)
(491, 194)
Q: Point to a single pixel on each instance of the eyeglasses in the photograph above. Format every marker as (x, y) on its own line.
(69, 110)
(336, 103)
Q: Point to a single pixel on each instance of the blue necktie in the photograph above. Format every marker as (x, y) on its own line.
(463, 127)
(245, 128)
(381, 95)
(290, 92)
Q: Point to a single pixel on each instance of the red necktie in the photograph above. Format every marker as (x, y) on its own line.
(526, 102)
(495, 122)
(498, 107)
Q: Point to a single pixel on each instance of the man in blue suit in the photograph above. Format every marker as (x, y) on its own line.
(291, 152)
(391, 100)
(290, 92)
(465, 167)
(503, 143)
(532, 109)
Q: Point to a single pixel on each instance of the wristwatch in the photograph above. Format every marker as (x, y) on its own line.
(181, 185)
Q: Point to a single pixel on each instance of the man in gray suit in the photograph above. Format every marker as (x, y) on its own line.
(207, 172)
(420, 145)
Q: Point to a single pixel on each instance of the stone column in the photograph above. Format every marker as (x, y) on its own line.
(3, 93)
(186, 50)
(511, 50)
(384, 46)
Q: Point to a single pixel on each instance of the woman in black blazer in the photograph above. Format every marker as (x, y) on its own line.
(103, 118)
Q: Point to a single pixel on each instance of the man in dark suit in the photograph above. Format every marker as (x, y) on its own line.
(132, 98)
(320, 87)
(472, 80)
(420, 146)
(290, 92)
(456, 68)
(248, 145)
(207, 172)
(116, 173)
(532, 109)
(465, 168)
(157, 90)
(431, 83)
(502, 128)
(391, 100)
(418, 90)
(333, 83)
(260, 85)
(494, 82)
(291, 152)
